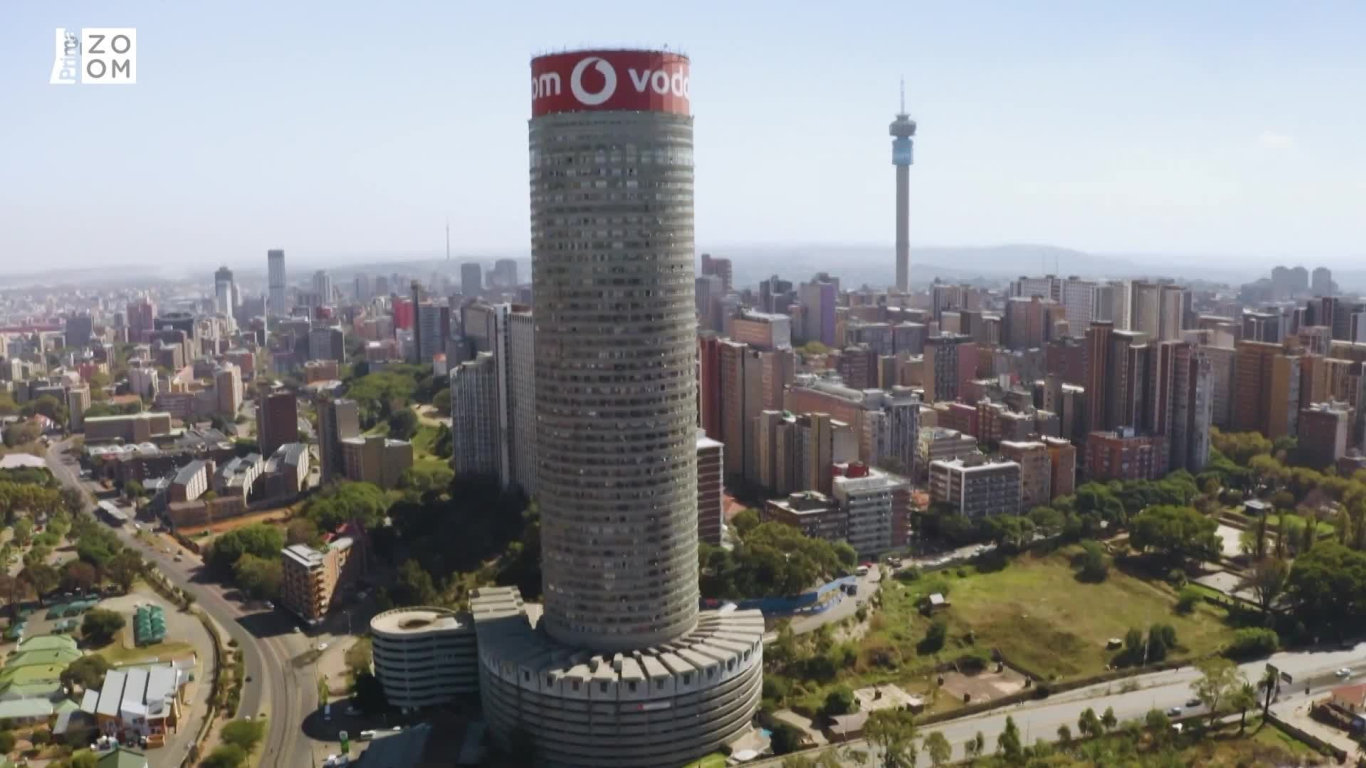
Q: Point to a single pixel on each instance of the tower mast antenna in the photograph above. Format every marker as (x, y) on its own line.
(903, 95)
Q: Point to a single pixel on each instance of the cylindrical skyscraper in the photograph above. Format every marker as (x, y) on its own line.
(622, 669)
(616, 337)
(903, 133)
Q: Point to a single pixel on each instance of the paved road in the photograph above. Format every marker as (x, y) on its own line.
(277, 687)
(847, 606)
(1134, 697)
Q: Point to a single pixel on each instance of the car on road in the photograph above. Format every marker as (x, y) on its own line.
(270, 606)
(1194, 702)
(1174, 712)
(322, 646)
(1345, 672)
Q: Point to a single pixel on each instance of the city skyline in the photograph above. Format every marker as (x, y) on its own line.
(1172, 138)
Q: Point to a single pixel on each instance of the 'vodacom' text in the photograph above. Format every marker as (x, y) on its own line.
(610, 80)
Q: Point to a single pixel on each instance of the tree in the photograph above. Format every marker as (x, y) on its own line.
(1219, 681)
(785, 738)
(1008, 744)
(23, 531)
(1064, 735)
(1092, 564)
(1267, 580)
(939, 749)
(243, 733)
(1177, 533)
(260, 577)
(257, 539)
(99, 626)
(41, 577)
(745, 521)
(413, 586)
(403, 424)
(87, 672)
(302, 530)
(1243, 698)
(1108, 719)
(363, 503)
(839, 701)
(225, 756)
(892, 731)
(1088, 724)
(1327, 587)
(123, 569)
(79, 576)
(1161, 639)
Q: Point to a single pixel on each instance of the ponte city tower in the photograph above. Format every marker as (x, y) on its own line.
(621, 668)
(903, 133)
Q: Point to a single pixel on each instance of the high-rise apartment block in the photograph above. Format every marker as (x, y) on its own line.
(1266, 389)
(338, 420)
(711, 520)
(277, 420)
(1324, 430)
(471, 280)
(277, 299)
(476, 440)
(376, 459)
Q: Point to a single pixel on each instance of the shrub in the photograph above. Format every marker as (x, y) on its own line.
(225, 756)
(40, 737)
(784, 739)
(1176, 577)
(6, 742)
(1252, 642)
(839, 701)
(935, 635)
(776, 687)
(243, 733)
(1187, 599)
(908, 574)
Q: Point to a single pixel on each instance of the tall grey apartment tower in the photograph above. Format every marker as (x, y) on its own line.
(623, 669)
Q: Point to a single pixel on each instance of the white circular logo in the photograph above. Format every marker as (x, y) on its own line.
(609, 77)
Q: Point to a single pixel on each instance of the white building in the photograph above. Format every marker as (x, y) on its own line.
(869, 500)
(476, 447)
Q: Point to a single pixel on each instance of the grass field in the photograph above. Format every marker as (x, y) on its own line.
(1041, 617)
(424, 441)
(118, 653)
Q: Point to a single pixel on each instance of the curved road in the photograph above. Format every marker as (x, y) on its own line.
(277, 688)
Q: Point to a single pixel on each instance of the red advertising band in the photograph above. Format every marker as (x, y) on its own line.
(588, 81)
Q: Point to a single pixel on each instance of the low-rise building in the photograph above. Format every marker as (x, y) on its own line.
(238, 476)
(129, 428)
(139, 702)
(1124, 455)
(190, 482)
(812, 512)
(941, 444)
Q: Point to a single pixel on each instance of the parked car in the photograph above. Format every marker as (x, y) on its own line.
(1174, 712)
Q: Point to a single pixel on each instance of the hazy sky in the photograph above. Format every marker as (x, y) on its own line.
(1224, 127)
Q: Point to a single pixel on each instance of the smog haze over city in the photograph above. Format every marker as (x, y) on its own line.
(423, 384)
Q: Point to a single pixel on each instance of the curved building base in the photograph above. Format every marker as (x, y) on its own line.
(666, 705)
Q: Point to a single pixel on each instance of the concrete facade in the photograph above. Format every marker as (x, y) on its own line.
(424, 656)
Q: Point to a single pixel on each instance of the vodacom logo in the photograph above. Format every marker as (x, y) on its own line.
(609, 78)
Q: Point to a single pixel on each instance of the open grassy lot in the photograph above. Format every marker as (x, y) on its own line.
(1041, 617)
(1034, 611)
(120, 652)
